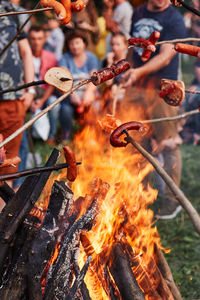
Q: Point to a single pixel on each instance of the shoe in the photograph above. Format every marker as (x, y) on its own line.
(169, 211)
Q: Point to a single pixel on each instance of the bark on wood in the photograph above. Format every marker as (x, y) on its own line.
(83, 288)
(60, 275)
(166, 273)
(79, 280)
(6, 192)
(43, 245)
(122, 273)
(15, 211)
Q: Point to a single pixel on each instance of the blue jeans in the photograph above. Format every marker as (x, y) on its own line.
(66, 118)
(53, 116)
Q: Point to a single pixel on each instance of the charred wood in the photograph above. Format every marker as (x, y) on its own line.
(123, 276)
(83, 288)
(97, 267)
(79, 280)
(43, 245)
(20, 205)
(6, 192)
(114, 294)
(59, 277)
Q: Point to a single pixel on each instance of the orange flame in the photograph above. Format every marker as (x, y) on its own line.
(123, 214)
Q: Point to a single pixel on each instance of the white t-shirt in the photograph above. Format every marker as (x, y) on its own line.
(37, 64)
(123, 17)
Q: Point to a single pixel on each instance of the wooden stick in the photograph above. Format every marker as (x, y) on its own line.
(192, 91)
(167, 274)
(191, 211)
(178, 40)
(43, 112)
(190, 8)
(23, 86)
(18, 33)
(174, 118)
(34, 171)
(12, 13)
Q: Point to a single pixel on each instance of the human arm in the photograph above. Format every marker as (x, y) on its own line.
(26, 56)
(159, 61)
(39, 102)
(89, 94)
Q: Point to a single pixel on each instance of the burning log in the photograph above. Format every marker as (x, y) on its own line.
(43, 245)
(78, 281)
(123, 276)
(83, 287)
(15, 211)
(59, 277)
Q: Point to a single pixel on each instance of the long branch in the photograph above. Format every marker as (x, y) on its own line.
(23, 86)
(191, 211)
(174, 118)
(12, 13)
(178, 41)
(18, 32)
(43, 112)
(190, 8)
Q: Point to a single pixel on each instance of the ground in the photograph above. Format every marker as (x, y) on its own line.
(179, 234)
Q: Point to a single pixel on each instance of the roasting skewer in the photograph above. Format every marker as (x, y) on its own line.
(34, 171)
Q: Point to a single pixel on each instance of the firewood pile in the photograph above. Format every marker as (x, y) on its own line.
(40, 249)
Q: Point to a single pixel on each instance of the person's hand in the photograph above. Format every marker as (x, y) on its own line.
(75, 99)
(38, 103)
(130, 77)
(110, 58)
(84, 25)
(27, 99)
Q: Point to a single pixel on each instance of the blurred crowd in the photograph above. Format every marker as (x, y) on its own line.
(93, 40)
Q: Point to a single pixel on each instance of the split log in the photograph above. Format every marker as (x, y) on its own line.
(123, 276)
(79, 280)
(16, 210)
(59, 276)
(83, 288)
(96, 266)
(43, 245)
(14, 280)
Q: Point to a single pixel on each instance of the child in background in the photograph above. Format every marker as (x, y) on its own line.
(114, 93)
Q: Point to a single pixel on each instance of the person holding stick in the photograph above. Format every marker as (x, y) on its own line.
(158, 15)
(15, 68)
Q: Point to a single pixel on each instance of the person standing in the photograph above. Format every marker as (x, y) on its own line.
(16, 68)
(159, 15)
(81, 63)
(43, 60)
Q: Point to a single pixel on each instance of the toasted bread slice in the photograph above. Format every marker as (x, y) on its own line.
(172, 91)
(60, 78)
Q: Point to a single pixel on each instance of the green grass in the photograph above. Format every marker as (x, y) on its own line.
(179, 234)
